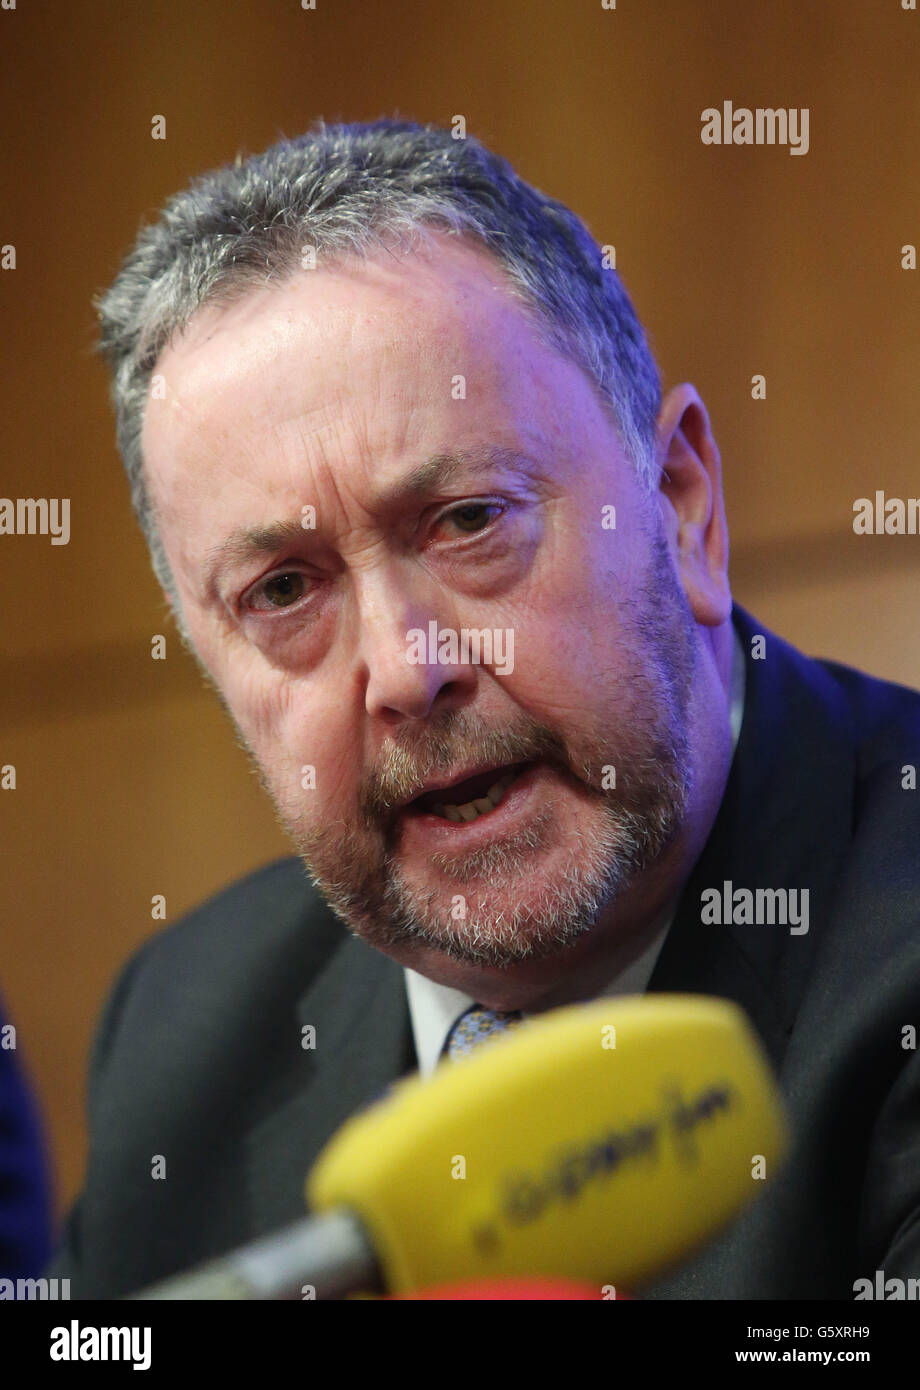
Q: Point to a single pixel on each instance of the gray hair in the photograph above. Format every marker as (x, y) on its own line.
(348, 190)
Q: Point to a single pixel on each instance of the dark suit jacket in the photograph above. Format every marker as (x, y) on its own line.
(198, 1055)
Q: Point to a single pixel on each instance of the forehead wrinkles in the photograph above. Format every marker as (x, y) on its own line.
(290, 439)
(375, 313)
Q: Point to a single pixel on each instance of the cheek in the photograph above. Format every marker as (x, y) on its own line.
(264, 708)
(562, 639)
(573, 661)
(305, 751)
(311, 757)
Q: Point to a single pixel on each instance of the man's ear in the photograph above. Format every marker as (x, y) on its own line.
(692, 506)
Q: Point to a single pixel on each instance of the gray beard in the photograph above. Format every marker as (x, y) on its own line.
(367, 890)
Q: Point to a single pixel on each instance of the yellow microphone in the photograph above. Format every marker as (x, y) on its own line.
(599, 1142)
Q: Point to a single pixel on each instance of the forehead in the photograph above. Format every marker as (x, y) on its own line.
(351, 363)
(450, 290)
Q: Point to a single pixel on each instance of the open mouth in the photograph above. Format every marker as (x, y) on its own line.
(473, 797)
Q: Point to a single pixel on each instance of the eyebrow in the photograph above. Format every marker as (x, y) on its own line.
(250, 542)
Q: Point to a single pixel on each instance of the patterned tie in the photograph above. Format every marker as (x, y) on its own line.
(475, 1027)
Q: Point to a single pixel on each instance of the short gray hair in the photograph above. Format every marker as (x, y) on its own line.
(347, 190)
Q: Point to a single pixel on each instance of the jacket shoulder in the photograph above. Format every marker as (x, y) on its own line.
(230, 958)
(244, 917)
(186, 1050)
(885, 715)
(878, 720)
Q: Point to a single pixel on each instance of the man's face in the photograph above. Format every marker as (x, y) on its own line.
(332, 405)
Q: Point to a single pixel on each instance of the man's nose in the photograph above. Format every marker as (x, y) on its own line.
(399, 649)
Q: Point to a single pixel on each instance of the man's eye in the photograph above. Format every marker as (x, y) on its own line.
(473, 516)
(282, 589)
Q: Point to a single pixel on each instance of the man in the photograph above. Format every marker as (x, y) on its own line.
(459, 576)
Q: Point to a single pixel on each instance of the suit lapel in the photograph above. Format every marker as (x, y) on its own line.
(784, 822)
(363, 1041)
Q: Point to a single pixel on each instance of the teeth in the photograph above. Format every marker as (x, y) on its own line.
(472, 810)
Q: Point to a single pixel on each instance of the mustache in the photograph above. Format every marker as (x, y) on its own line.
(456, 740)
